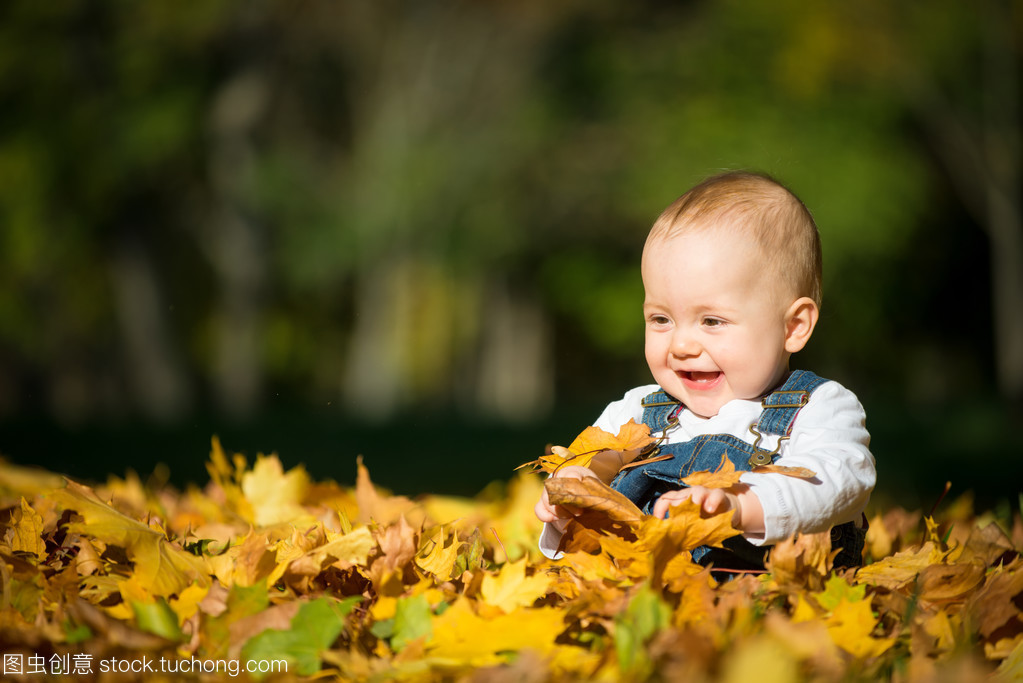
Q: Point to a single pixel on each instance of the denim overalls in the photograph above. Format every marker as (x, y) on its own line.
(643, 484)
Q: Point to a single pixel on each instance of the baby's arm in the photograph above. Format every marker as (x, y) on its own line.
(829, 437)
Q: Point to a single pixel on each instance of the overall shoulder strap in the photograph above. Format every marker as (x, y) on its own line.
(783, 404)
(660, 410)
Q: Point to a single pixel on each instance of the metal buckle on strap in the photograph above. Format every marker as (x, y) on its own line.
(762, 456)
(804, 396)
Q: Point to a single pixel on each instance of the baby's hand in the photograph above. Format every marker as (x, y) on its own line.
(560, 515)
(711, 501)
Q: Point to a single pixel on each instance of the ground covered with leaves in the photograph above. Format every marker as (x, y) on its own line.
(266, 569)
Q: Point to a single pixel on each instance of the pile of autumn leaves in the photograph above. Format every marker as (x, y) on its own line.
(264, 564)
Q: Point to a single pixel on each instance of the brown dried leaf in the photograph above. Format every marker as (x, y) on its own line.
(947, 582)
(995, 604)
(592, 494)
(797, 472)
(801, 560)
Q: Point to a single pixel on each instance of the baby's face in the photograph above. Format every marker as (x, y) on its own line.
(716, 319)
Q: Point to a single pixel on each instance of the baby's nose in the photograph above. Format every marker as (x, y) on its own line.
(683, 344)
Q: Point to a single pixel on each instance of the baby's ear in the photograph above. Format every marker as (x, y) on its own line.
(800, 320)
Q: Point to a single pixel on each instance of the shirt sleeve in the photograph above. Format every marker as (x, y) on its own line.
(550, 538)
(830, 438)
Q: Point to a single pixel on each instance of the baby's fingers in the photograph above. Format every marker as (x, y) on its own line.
(715, 501)
(667, 500)
(559, 515)
(544, 512)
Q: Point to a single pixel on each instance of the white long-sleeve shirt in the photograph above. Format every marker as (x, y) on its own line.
(829, 437)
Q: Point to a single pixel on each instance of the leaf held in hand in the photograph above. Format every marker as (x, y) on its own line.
(631, 441)
(592, 494)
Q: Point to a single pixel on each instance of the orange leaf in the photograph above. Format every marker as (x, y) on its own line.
(723, 477)
(632, 439)
(726, 476)
(685, 529)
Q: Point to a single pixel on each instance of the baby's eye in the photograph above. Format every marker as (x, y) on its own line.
(658, 320)
(713, 322)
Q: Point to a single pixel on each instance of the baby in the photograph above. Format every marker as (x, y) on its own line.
(732, 275)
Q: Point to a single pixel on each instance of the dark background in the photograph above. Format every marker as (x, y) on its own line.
(411, 230)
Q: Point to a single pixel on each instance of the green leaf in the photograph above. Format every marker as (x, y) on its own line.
(646, 615)
(158, 618)
(313, 629)
(411, 621)
(836, 590)
(76, 633)
(383, 629)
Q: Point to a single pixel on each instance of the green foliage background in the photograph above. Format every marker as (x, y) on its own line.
(313, 226)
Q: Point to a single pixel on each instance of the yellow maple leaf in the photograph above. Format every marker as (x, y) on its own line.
(187, 604)
(275, 496)
(439, 560)
(850, 625)
(26, 534)
(228, 477)
(803, 610)
(511, 588)
(246, 563)
(351, 548)
(464, 637)
(899, 569)
(165, 569)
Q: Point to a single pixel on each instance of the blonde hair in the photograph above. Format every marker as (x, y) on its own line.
(760, 207)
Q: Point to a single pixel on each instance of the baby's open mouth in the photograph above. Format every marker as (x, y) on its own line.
(700, 378)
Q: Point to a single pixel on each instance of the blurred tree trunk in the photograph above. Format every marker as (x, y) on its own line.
(515, 377)
(982, 157)
(376, 378)
(233, 245)
(155, 375)
(436, 88)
